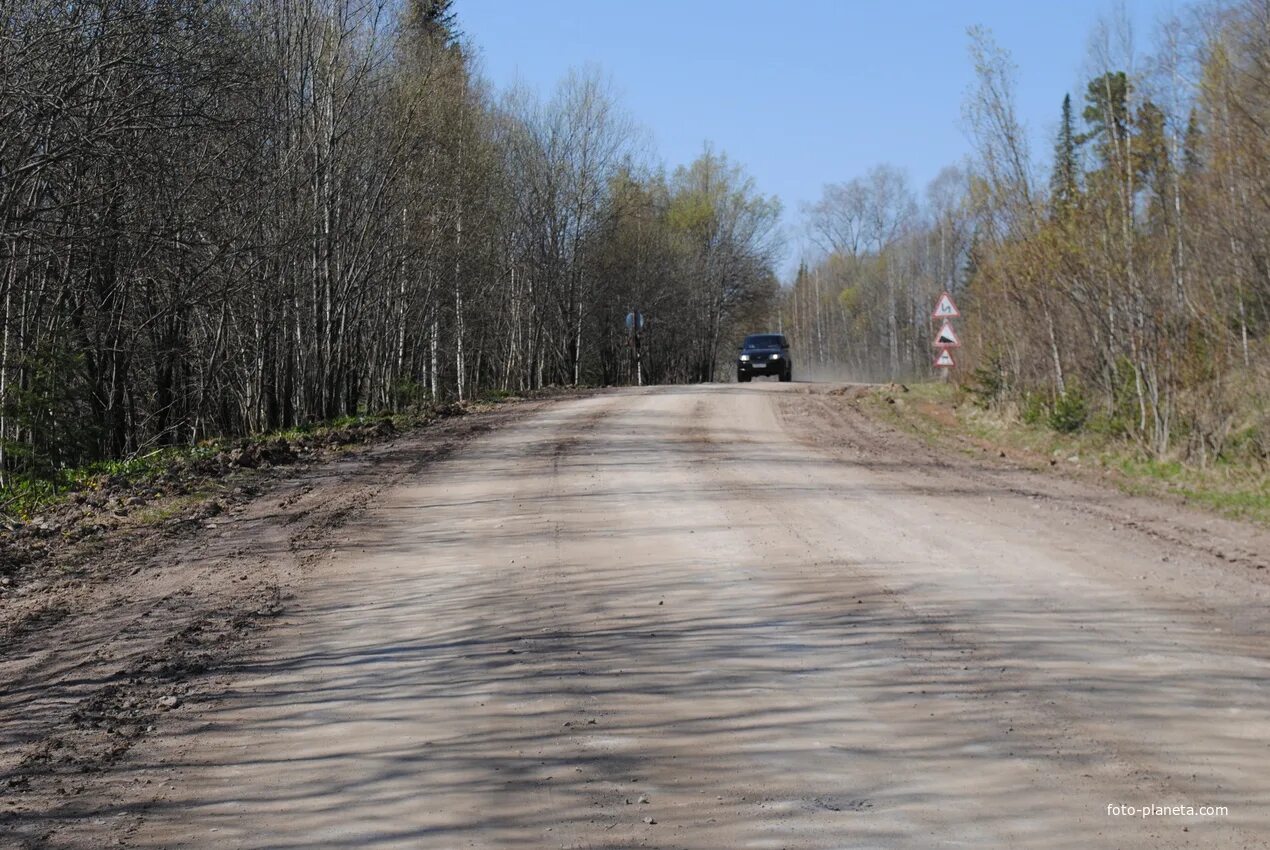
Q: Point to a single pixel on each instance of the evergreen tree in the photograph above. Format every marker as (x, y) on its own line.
(1151, 157)
(1107, 113)
(1191, 161)
(1063, 185)
(435, 18)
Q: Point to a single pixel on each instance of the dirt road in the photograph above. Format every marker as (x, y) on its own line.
(727, 617)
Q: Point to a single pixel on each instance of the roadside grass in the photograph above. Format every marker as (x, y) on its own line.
(941, 414)
(23, 499)
(153, 514)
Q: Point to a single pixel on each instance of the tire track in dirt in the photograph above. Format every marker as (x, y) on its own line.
(838, 423)
(842, 430)
(937, 647)
(155, 620)
(658, 619)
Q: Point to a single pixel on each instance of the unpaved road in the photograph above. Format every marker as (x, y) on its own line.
(728, 617)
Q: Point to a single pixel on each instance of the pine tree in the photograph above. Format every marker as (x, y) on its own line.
(1107, 113)
(1063, 185)
(433, 20)
(1151, 157)
(1191, 161)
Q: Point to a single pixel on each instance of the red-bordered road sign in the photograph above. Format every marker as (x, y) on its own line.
(947, 337)
(945, 308)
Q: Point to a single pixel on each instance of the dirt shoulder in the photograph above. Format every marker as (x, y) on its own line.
(894, 420)
(120, 606)
(942, 416)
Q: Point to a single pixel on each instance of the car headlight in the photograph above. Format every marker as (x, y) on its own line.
(745, 358)
(776, 357)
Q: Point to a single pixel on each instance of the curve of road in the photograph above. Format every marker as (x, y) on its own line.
(726, 617)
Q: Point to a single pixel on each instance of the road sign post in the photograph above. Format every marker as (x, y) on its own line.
(634, 326)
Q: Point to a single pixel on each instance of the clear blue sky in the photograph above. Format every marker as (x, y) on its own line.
(802, 92)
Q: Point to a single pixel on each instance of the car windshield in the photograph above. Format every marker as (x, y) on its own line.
(764, 341)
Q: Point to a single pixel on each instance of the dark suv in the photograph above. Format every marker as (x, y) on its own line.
(764, 354)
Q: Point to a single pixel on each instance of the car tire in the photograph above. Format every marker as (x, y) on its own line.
(787, 376)
(742, 379)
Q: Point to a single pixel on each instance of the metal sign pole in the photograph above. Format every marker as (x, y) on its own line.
(639, 365)
(635, 324)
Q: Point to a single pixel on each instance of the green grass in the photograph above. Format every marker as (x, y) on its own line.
(161, 511)
(1227, 488)
(25, 498)
(940, 413)
(1240, 504)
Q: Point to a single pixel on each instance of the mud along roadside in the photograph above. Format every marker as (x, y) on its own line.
(129, 610)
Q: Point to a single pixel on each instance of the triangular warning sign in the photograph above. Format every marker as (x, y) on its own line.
(945, 308)
(947, 337)
(945, 359)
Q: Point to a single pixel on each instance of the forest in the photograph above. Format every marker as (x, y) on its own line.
(1119, 282)
(226, 217)
(229, 217)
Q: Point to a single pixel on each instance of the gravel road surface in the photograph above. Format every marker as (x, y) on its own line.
(730, 617)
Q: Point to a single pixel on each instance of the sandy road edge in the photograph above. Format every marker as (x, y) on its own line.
(128, 649)
(838, 424)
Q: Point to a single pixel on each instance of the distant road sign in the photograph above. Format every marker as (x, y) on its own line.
(635, 321)
(947, 337)
(945, 360)
(945, 308)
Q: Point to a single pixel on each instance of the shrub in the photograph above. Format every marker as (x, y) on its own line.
(987, 383)
(1069, 412)
(410, 395)
(1109, 424)
(1033, 410)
